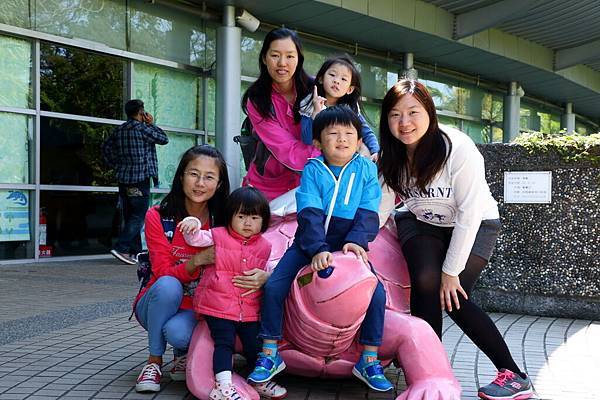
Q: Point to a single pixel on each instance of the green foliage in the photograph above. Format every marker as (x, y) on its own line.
(570, 147)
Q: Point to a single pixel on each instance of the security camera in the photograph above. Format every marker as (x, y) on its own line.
(247, 21)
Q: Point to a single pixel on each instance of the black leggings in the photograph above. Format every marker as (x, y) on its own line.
(224, 332)
(424, 255)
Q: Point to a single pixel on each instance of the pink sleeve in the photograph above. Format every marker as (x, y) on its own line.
(285, 147)
(200, 238)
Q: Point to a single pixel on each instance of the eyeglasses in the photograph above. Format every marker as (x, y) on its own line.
(197, 177)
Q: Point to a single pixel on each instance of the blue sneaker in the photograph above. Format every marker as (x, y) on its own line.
(266, 368)
(372, 374)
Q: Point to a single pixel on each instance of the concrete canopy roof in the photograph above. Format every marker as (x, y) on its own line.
(533, 26)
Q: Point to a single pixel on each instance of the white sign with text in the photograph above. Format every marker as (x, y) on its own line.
(528, 187)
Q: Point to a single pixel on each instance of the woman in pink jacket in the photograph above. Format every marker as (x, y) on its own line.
(272, 103)
(229, 310)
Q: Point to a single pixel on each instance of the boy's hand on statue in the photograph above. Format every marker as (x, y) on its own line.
(318, 102)
(374, 157)
(361, 254)
(321, 261)
(253, 280)
(449, 289)
(187, 227)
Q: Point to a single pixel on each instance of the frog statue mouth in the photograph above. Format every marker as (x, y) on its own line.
(325, 309)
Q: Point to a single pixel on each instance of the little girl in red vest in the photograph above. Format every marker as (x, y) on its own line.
(227, 309)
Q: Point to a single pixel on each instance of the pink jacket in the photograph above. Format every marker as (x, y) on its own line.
(216, 296)
(288, 154)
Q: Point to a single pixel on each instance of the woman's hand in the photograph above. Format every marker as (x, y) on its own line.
(252, 280)
(448, 292)
(201, 258)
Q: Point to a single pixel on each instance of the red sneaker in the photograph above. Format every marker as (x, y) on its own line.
(149, 379)
(178, 371)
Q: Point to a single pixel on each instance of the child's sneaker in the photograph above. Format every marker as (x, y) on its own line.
(507, 386)
(270, 391)
(372, 374)
(149, 379)
(178, 371)
(266, 368)
(224, 392)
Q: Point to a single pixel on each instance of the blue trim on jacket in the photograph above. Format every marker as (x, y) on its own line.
(335, 211)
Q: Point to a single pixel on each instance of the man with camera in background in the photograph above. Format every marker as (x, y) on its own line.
(131, 151)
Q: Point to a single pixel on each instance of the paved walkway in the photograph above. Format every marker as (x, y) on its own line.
(64, 333)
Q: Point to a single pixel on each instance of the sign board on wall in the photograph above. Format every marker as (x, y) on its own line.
(14, 215)
(528, 187)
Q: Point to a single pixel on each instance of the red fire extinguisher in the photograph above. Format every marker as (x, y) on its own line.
(45, 250)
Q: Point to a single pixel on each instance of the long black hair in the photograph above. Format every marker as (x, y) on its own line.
(352, 100)
(173, 205)
(259, 93)
(430, 154)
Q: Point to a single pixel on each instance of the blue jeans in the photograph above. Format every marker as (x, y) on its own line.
(158, 312)
(278, 287)
(134, 201)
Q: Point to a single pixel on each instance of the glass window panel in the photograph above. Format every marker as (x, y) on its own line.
(313, 59)
(16, 224)
(170, 154)
(525, 115)
(372, 113)
(80, 82)
(101, 21)
(15, 72)
(549, 123)
(492, 108)
(164, 32)
(250, 48)
(71, 153)
(80, 223)
(211, 106)
(203, 47)
(476, 131)
(497, 134)
(170, 96)
(15, 12)
(15, 138)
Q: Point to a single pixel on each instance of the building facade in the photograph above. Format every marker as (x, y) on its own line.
(68, 66)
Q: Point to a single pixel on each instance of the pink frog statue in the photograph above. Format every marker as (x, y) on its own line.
(323, 315)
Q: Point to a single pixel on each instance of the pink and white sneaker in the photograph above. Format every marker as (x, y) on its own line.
(149, 379)
(177, 373)
(270, 391)
(507, 386)
(224, 392)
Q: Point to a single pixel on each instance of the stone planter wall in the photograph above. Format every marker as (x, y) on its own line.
(546, 261)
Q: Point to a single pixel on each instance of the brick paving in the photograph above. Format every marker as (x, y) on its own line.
(64, 334)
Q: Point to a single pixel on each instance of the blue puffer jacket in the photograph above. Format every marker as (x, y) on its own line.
(333, 211)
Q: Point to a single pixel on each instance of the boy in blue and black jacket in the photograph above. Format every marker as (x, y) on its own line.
(337, 204)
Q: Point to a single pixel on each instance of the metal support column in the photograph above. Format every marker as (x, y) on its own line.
(228, 77)
(512, 105)
(408, 70)
(567, 120)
